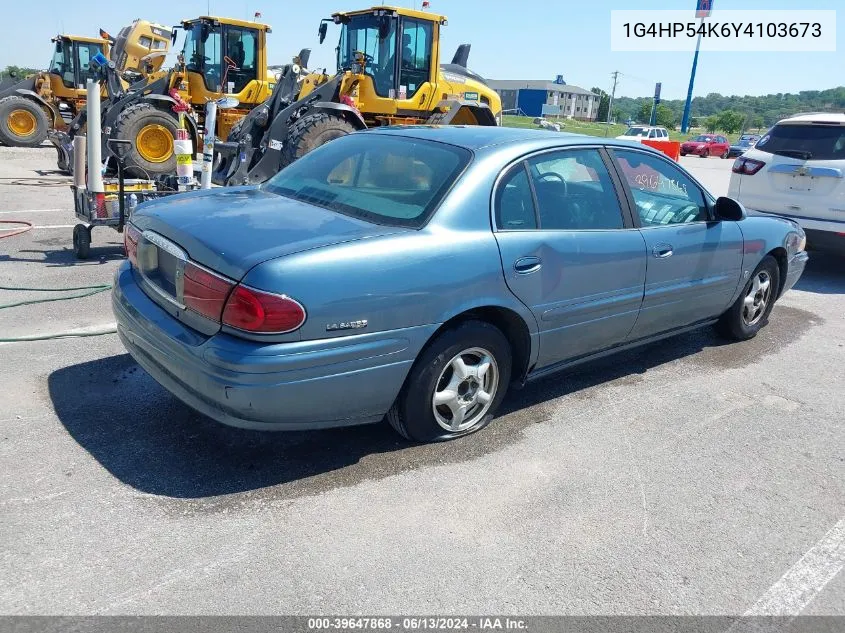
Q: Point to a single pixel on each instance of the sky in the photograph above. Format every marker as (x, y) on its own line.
(524, 39)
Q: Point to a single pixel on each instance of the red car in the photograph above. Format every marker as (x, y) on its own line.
(706, 145)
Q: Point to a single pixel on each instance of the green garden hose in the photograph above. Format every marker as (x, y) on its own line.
(84, 291)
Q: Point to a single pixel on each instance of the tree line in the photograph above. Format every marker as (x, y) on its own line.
(727, 113)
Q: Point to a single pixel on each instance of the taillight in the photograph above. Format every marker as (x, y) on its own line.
(205, 292)
(747, 166)
(256, 311)
(131, 235)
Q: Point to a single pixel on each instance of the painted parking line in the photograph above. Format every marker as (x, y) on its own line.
(34, 211)
(43, 226)
(797, 588)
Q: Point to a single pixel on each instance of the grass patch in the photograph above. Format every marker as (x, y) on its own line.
(596, 129)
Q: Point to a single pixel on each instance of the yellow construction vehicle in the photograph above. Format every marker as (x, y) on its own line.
(220, 57)
(388, 73)
(30, 108)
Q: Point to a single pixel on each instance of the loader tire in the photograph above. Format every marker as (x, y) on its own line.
(151, 131)
(23, 123)
(311, 131)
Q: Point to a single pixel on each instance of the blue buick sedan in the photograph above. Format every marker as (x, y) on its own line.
(414, 273)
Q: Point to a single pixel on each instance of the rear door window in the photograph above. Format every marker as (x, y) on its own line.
(805, 142)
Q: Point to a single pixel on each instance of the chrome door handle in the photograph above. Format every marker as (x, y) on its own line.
(525, 265)
(662, 251)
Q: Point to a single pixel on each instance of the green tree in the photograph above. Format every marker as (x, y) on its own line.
(665, 116)
(19, 72)
(604, 104)
(711, 123)
(644, 113)
(731, 121)
(618, 115)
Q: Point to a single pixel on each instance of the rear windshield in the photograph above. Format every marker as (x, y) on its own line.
(383, 179)
(806, 142)
(637, 131)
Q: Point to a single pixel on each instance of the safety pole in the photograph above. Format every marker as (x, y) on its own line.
(208, 144)
(688, 105)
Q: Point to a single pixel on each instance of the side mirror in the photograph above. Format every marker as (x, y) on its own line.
(303, 57)
(324, 28)
(729, 210)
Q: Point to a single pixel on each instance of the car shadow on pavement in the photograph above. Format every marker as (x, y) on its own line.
(65, 257)
(825, 274)
(149, 440)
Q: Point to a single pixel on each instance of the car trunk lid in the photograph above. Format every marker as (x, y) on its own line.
(230, 231)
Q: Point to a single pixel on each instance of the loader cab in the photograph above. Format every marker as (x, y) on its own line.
(397, 50)
(226, 56)
(141, 47)
(70, 67)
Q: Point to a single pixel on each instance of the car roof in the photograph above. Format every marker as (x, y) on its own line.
(478, 137)
(815, 117)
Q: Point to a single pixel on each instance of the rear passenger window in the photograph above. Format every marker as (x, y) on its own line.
(662, 193)
(514, 204)
(574, 191)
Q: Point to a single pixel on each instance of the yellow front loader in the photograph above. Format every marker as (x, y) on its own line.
(388, 72)
(220, 57)
(49, 100)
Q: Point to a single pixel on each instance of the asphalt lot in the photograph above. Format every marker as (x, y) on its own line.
(687, 477)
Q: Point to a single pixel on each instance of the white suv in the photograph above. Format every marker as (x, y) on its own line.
(797, 170)
(642, 132)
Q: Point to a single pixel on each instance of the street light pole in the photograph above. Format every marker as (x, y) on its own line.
(688, 105)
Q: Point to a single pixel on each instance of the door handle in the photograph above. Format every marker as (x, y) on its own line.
(526, 265)
(662, 251)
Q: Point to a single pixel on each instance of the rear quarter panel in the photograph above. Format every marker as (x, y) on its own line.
(407, 279)
(765, 235)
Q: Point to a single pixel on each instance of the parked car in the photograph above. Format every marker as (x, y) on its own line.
(797, 170)
(643, 132)
(706, 145)
(414, 273)
(745, 143)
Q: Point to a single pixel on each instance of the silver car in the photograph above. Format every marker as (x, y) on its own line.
(415, 273)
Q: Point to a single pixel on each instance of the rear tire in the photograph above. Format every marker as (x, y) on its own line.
(23, 123)
(727, 154)
(311, 131)
(149, 127)
(81, 241)
(750, 311)
(468, 369)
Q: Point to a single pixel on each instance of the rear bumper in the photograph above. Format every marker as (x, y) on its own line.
(268, 386)
(822, 235)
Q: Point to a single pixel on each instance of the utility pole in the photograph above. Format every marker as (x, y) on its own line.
(615, 75)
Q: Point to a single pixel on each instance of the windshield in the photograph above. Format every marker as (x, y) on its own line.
(703, 139)
(61, 63)
(817, 142)
(396, 181)
(637, 131)
(375, 37)
(202, 52)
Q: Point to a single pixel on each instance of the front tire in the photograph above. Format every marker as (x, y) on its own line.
(455, 386)
(750, 311)
(152, 132)
(22, 122)
(311, 131)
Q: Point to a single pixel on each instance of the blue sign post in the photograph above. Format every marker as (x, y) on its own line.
(653, 121)
(702, 10)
